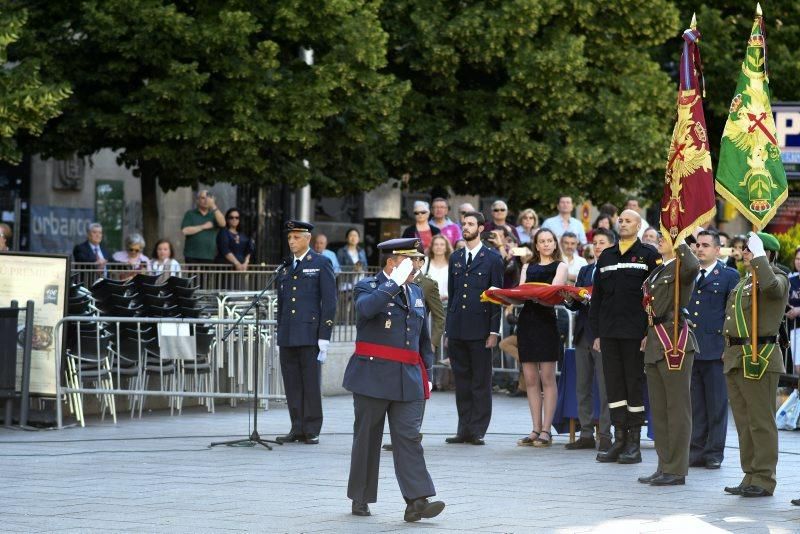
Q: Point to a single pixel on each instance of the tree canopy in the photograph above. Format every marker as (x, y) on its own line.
(530, 99)
(216, 90)
(26, 103)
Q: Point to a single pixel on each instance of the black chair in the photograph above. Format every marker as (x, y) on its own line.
(88, 362)
(189, 282)
(141, 278)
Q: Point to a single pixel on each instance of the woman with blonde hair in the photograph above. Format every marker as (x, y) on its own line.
(527, 224)
(437, 262)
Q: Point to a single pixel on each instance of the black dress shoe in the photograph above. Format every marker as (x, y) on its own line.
(290, 437)
(603, 445)
(713, 464)
(648, 480)
(312, 439)
(360, 508)
(581, 443)
(477, 441)
(668, 480)
(422, 509)
(795, 502)
(456, 439)
(734, 490)
(755, 491)
(387, 447)
(698, 463)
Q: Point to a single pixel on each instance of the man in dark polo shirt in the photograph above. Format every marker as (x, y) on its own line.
(200, 227)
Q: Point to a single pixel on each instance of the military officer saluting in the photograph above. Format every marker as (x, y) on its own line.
(668, 362)
(306, 309)
(388, 374)
(752, 386)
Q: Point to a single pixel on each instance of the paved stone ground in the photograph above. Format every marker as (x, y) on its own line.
(157, 475)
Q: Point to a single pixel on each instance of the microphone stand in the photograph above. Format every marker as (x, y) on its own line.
(254, 438)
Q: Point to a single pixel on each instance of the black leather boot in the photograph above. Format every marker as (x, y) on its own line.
(631, 454)
(613, 453)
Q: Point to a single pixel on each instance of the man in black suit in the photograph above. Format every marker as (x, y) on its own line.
(472, 330)
(92, 250)
(588, 361)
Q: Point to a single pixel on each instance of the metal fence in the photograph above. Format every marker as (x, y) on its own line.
(138, 357)
(218, 283)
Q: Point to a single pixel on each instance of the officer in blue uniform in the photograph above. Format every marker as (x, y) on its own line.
(709, 391)
(306, 309)
(389, 374)
(472, 329)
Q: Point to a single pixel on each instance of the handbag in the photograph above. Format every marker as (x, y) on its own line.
(788, 414)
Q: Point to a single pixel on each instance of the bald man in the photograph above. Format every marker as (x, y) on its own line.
(619, 321)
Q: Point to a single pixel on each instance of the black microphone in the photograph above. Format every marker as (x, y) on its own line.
(286, 262)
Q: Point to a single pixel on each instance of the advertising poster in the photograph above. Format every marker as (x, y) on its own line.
(42, 279)
(56, 230)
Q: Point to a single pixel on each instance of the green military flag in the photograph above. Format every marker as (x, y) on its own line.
(750, 173)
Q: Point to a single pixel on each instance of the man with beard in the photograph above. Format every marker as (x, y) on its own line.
(472, 329)
(620, 324)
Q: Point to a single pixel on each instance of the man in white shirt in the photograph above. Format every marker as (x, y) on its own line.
(574, 261)
(564, 221)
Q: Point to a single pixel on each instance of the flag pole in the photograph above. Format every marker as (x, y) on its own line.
(676, 304)
(754, 310)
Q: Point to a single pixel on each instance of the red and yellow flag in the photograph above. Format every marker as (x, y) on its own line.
(536, 291)
(688, 200)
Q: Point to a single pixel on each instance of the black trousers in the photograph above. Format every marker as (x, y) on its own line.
(471, 362)
(405, 420)
(709, 411)
(302, 383)
(623, 368)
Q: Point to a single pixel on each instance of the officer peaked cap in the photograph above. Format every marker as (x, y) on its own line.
(404, 246)
(770, 242)
(297, 226)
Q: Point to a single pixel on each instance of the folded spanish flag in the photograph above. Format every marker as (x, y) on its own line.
(541, 293)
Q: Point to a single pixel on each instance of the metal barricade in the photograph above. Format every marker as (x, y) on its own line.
(103, 352)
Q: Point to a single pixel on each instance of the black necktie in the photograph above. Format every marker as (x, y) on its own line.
(296, 263)
(469, 259)
(702, 277)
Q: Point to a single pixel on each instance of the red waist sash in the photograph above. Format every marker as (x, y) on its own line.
(408, 357)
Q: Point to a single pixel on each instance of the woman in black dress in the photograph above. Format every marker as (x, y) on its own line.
(538, 339)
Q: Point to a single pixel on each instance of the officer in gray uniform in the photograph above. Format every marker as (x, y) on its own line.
(388, 374)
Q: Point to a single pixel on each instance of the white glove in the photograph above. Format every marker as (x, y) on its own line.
(401, 273)
(755, 245)
(430, 386)
(323, 350)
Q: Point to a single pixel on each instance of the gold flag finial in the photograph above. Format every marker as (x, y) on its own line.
(758, 9)
(693, 24)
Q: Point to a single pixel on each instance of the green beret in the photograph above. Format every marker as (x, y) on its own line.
(770, 242)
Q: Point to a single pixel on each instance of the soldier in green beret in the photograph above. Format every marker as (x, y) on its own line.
(752, 385)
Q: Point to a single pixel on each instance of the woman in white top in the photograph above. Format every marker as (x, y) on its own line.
(437, 263)
(164, 261)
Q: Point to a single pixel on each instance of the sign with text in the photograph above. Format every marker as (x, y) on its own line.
(42, 279)
(56, 229)
(787, 129)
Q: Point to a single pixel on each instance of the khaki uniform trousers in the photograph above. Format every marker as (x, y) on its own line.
(753, 406)
(671, 411)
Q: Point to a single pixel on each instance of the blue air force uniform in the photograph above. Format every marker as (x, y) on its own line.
(469, 323)
(388, 374)
(709, 391)
(306, 310)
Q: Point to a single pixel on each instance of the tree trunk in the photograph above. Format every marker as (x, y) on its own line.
(150, 208)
